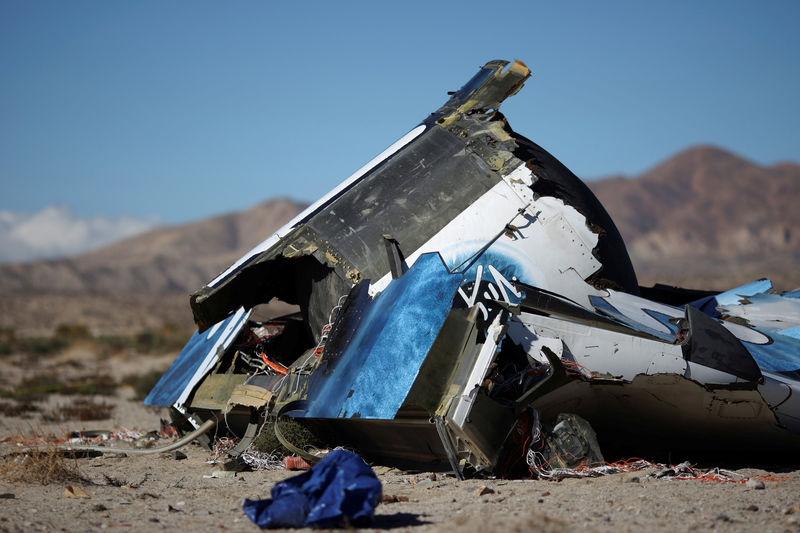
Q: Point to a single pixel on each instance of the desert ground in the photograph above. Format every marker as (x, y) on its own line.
(165, 491)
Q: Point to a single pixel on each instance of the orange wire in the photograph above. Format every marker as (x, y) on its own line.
(280, 369)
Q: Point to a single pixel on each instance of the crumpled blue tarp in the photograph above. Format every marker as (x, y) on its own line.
(340, 490)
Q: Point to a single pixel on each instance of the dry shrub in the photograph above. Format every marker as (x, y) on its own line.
(18, 409)
(39, 386)
(33, 388)
(80, 409)
(41, 466)
(142, 384)
(91, 385)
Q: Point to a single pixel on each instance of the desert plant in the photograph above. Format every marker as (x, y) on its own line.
(72, 332)
(33, 388)
(43, 466)
(40, 345)
(142, 384)
(80, 409)
(39, 386)
(7, 338)
(17, 409)
(167, 338)
(91, 385)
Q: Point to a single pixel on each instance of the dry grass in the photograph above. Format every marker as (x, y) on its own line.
(41, 466)
(40, 385)
(142, 384)
(18, 409)
(80, 409)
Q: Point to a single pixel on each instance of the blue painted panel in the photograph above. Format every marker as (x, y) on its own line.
(781, 355)
(709, 304)
(200, 347)
(733, 296)
(791, 332)
(375, 371)
(774, 315)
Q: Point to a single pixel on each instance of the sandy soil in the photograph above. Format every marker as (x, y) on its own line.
(160, 492)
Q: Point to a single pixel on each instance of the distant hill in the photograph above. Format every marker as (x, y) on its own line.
(704, 218)
(173, 259)
(707, 218)
(137, 283)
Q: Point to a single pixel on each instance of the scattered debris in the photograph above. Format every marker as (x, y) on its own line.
(466, 300)
(755, 484)
(293, 462)
(75, 492)
(220, 474)
(483, 491)
(262, 460)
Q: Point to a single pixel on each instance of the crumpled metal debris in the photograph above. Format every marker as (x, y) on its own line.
(458, 280)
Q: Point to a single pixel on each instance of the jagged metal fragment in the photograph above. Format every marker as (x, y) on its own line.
(463, 279)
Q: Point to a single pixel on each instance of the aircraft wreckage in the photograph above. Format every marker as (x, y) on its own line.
(460, 292)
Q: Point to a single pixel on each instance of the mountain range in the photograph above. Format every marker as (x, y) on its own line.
(704, 218)
(707, 218)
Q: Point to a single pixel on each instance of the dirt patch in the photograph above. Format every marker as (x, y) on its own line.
(166, 491)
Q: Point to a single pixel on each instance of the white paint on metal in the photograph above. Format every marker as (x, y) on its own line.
(464, 402)
(550, 249)
(608, 352)
(743, 333)
(533, 344)
(706, 375)
(767, 311)
(784, 399)
(520, 180)
(633, 307)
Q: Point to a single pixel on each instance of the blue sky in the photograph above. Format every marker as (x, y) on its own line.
(183, 110)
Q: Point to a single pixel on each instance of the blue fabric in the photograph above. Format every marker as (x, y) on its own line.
(339, 491)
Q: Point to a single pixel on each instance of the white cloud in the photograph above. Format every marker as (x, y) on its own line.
(56, 232)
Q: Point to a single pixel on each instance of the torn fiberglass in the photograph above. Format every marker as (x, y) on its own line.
(463, 280)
